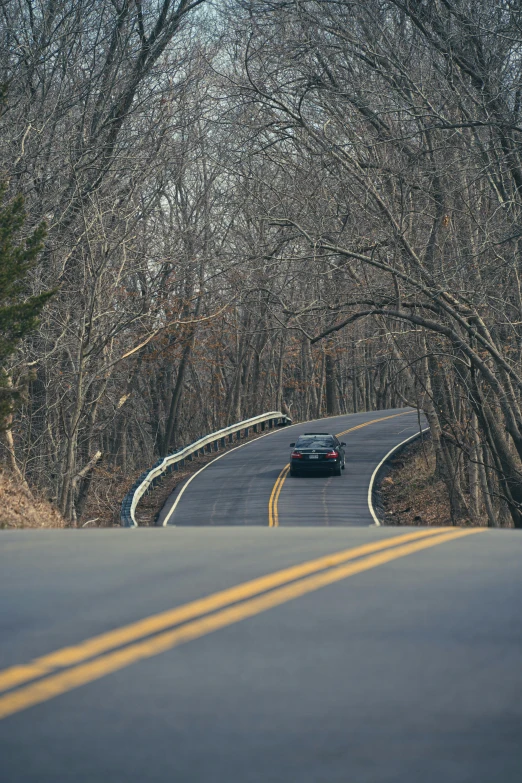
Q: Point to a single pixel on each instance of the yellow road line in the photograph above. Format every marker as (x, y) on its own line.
(374, 421)
(62, 682)
(273, 511)
(89, 648)
(273, 515)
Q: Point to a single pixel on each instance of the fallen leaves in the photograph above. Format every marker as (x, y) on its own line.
(18, 510)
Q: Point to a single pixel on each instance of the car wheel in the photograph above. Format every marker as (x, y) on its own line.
(344, 464)
(293, 472)
(337, 470)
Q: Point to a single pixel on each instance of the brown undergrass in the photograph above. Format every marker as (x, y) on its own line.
(20, 509)
(410, 493)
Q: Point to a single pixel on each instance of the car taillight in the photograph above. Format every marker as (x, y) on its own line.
(297, 455)
(332, 455)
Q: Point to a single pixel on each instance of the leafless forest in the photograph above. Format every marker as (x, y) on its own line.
(312, 206)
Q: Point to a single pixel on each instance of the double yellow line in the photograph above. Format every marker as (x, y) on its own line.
(63, 670)
(273, 510)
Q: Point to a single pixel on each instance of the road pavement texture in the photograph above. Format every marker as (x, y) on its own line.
(240, 487)
(307, 654)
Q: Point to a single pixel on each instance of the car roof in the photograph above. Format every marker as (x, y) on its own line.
(319, 434)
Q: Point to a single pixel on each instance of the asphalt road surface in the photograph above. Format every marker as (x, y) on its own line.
(311, 654)
(236, 489)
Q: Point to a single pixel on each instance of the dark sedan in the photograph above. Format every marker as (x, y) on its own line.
(316, 452)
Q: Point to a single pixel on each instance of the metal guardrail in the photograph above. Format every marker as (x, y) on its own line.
(148, 480)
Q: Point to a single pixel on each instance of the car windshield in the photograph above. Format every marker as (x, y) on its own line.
(318, 442)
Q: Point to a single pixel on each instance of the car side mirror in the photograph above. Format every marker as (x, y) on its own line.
(292, 445)
(343, 444)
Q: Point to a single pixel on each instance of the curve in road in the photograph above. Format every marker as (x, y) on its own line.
(249, 485)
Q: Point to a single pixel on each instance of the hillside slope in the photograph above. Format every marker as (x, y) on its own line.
(18, 509)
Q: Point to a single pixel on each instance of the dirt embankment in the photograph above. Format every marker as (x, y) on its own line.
(19, 508)
(410, 492)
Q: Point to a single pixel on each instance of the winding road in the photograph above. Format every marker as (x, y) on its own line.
(250, 486)
(327, 650)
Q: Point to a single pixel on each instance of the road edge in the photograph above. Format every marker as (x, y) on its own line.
(165, 522)
(183, 487)
(380, 466)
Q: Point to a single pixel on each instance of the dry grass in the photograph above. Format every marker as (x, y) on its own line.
(18, 509)
(410, 493)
